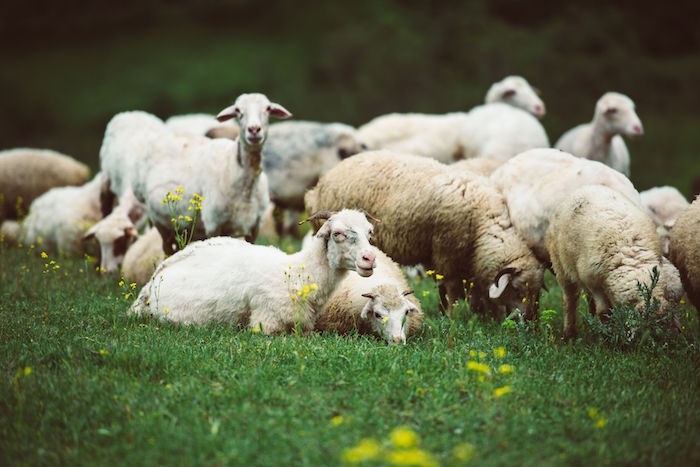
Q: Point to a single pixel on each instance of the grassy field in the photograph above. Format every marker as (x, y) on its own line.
(83, 384)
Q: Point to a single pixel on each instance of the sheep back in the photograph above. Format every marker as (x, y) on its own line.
(684, 250)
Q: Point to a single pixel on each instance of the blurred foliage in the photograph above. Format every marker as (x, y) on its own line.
(69, 66)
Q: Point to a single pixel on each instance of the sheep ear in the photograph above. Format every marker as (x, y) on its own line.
(501, 282)
(407, 292)
(90, 233)
(367, 308)
(278, 111)
(131, 232)
(227, 114)
(324, 231)
(508, 94)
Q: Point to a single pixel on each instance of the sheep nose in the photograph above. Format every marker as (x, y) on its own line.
(637, 129)
(539, 110)
(369, 257)
(254, 130)
(398, 340)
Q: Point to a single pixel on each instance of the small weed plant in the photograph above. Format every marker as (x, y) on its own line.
(183, 224)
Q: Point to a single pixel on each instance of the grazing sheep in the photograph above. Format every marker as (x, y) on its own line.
(231, 281)
(684, 251)
(600, 139)
(58, 219)
(227, 174)
(114, 234)
(516, 91)
(535, 182)
(603, 243)
(664, 204)
(126, 143)
(9, 232)
(452, 222)
(381, 304)
(26, 173)
(142, 258)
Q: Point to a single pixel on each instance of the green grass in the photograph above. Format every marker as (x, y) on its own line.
(83, 384)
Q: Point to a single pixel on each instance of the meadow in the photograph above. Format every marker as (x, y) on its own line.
(83, 384)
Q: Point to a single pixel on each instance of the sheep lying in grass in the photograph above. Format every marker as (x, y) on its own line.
(450, 221)
(495, 130)
(600, 139)
(381, 304)
(535, 182)
(26, 173)
(227, 174)
(684, 250)
(59, 218)
(663, 204)
(516, 91)
(603, 243)
(142, 258)
(231, 281)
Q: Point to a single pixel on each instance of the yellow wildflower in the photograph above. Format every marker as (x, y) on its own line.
(180, 190)
(27, 370)
(499, 352)
(464, 452)
(498, 392)
(367, 449)
(439, 277)
(478, 367)
(430, 272)
(412, 456)
(44, 255)
(426, 293)
(337, 420)
(404, 437)
(506, 369)
(256, 330)
(104, 352)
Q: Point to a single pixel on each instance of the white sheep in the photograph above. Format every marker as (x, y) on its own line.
(663, 204)
(227, 174)
(535, 182)
(381, 304)
(231, 281)
(450, 221)
(142, 258)
(295, 155)
(114, 233)
(600, 139)
(201, 124)
(58, 219)
(478, 165)
(9, 232)
(684, 250)
(516, 91)
(26, 173)
(603, 243)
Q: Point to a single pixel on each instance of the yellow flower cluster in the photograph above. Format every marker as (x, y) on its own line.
(484, 372)
(402, 448)
(598, 420)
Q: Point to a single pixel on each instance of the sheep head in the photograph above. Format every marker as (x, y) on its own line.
(346, 234)
(252, 113)
(389, 312)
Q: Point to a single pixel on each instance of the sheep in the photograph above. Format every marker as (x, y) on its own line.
(9, 232)
(516, 91)
(201, 124)
(142, 258)
(600, 241)
(450, 221)
(684, 250)
(126, 143)
(231, 281)
(600, 139)
(495, 130)
(535, 182)
(26, 173)
(226, 174)
(58, 219)
(663, 204)
(296, 154)
(477, 165)
(381, 304)
(114, 233)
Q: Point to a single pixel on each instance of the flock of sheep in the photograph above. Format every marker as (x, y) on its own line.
(478, 196)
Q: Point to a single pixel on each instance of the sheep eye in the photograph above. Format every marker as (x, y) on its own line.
(509, 93)
(611, 111)
(377, 315)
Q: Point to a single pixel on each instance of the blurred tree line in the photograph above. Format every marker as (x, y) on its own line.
(69, 66)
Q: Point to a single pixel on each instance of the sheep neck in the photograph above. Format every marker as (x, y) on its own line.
(249, 158)
(600, 141)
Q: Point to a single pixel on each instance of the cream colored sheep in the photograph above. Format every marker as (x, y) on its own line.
(664, 204)
(142, 258)
(26, 173)
(381, 304)
(478, 165)
(600, 139)
(684, 250)
(603, 243)
(452, 222)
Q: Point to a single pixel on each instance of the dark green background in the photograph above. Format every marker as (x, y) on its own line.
(68, 66)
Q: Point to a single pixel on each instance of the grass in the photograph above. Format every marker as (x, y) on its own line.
(83, 384)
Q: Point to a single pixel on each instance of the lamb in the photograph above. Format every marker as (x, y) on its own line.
(600, 139)
(296, 154)
(602, 242)
(516, 91)
(114, 233)
(26, 173)
(58, 219)
(381, 304)
(684, 250)
(495, 130)
(226, 174)
(663, 204)
(535, 182)
(142, 258)
(231, 281)
(452, 222)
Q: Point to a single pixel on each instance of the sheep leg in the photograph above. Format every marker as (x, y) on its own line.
(569, 301)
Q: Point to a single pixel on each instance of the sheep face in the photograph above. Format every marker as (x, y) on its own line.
(516, 288)
(347, 235)
(516, 91)
(252, 113)
(388, 312)
(114, 234)
(616, 112)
